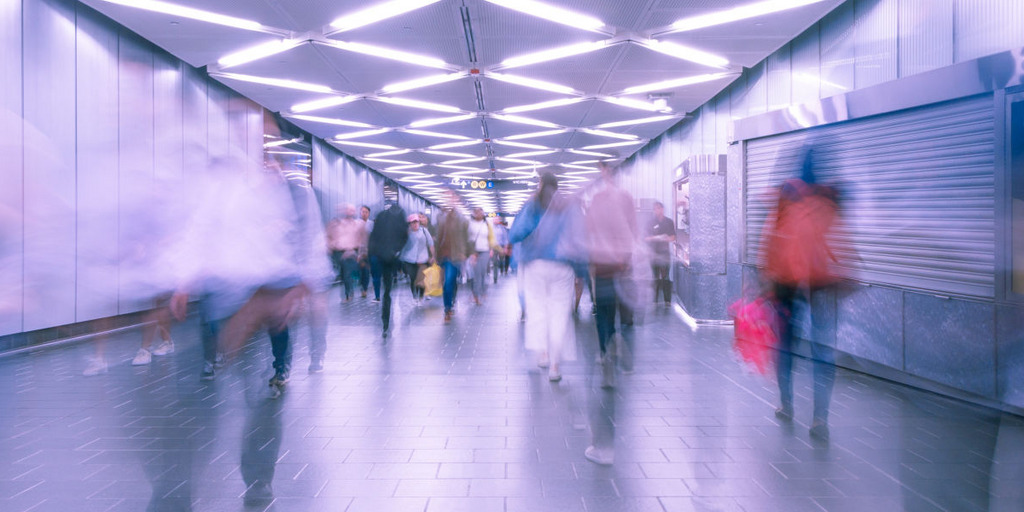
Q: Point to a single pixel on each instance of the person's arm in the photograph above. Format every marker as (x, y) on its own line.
(525, 223)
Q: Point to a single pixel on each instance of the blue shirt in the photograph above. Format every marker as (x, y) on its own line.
(554, 234)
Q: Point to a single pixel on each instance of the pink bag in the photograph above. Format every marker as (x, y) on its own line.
(755, 327)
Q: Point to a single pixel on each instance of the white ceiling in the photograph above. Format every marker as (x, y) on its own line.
(448, 34)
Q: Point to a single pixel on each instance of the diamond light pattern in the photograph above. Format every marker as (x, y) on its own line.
(426, 91)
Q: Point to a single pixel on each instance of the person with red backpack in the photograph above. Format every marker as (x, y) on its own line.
(798, 261)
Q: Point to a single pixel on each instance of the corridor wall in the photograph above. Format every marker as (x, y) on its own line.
(861, 44)
(339, 180)
(93, 121)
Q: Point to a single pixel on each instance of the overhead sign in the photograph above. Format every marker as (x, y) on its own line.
(476, 184)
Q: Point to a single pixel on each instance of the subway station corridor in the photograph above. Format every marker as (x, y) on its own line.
(458, 417)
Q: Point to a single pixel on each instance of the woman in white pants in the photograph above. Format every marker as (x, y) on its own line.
(550, 231)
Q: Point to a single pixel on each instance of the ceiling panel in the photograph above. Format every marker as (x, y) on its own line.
(459, 93)
(501, 33)
(271, 97)
(501, 95)
(305, 63)
(585, 73)
(566, 115)
(367, 73)
(434, 30)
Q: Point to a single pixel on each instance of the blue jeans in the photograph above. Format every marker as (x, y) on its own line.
(823, 358)
(606, 303)
(451, 283)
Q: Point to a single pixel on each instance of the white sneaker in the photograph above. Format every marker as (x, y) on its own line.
(598, 456)
(164, 348)
(96, 366)
(142, 357)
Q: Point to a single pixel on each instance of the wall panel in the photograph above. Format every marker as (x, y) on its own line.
(806, 65)
(837, 50)
(779, 78)
(925, 35)
(218, 141)
(984, 27)
(11, 171)
(875, 50)
(97, 168)
(49, 145)
(195, 155)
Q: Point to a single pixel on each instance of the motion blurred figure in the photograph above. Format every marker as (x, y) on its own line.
(481, 239)
(499, 262)
(390, 232)
(416, 255)
(798, 261)
(452, 248)
(661, 232)
(369, 269)
(345, 235)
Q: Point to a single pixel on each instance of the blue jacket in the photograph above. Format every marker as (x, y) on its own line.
(554, 234)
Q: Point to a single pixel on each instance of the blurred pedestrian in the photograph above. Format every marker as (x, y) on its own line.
(481, 239)
(369, 268)
(416, 255)
(390, 232)
(452, 249)
(661, 232)
(499, 263)
(345, 234)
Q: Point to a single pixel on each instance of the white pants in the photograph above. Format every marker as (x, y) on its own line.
(549, 291)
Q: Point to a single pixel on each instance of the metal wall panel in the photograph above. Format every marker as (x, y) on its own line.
(780, 78)
(195, 153)
(97, 167)
(918, 193)
(875, 48)
(254, 134)
(49, 186)
(984, 27)
(837, 50)
(218, 142)
(168, 132)
(135, 170)
(723, 123)
(925, 35)
(805, 53)
(757, 89)
(11, 171)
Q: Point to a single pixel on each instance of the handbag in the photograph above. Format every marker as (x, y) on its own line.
(755, 338)
(432, 281)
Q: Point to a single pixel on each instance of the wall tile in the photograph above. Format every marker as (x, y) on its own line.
(951, 342)
(1010, 339)
(870, 324)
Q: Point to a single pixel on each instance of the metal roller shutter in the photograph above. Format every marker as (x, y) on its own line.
(918, 189)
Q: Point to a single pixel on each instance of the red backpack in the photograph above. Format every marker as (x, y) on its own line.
(797, 250)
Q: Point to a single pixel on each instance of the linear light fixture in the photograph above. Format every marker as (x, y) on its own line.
(405, 167)
(531, 82)
(552, 13)
(637, 104)
(514, 144)
(463, 160)
(631, 122)
(441, 120)
(591, 153)
(448, 153)
(389, 153)
(676, 83)
(740, 12)
(516, 172)
(276, 82)
(517, 161)
(542, 105)
(426, 81)
(190, 13)
(258, 52)
(333, 101)
(524, 120)
(330, 120)
(274, 144)
(552, 54)
(606, 133)
(439, 135)
(462, 144)
(531, 153)
(387, 161)
(686, 53)
(614, 144)
(417, 179)
(536, 134)
(425, 105)
(388, 53)
(363, 144)
(361, 134)
(377, 13)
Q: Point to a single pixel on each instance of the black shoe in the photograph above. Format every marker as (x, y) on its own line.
(260, 493)
(384, 334)
(280, 378)
(316, 365)
(784, 413)
(208, 372)
(819, 431)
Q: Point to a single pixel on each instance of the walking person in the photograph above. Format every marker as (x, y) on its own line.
(451, 250)
(481, 239)
(501, 249)
(369, 268)
(345, 234)
(386, 242)
(416, 255)
(550, 230)
(661, 233)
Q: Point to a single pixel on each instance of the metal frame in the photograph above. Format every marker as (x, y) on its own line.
(1004, 197)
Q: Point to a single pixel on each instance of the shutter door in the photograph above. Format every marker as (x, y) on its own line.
(918, 187)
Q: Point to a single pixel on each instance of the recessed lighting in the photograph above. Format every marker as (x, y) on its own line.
(188, 12)
(377, 13)
(552, 13)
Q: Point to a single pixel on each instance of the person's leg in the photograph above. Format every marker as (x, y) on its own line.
(604, 305)
(667, 283)
(364, 276)
(784, 296)
(480, 275)
(317, 329)
(410, 271)
(561, 336)
(388, 276)
(375, 276)
(339, 268)
(451, 282)
(536, 302)
(824, 376)
(350, 265)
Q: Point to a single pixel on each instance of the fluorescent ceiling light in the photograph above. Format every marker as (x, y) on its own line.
(553, 54)
(531, 82)
(440, 135)
(448, 153)
(552, 13)
(632, 122)
(453, 166)
(524, 120)
(276, 143)
(517, 161)
(542, 105)
(449, 145)
(686, 53)
(276, 82)
(363, 144)
(441, 120)
(389, 153)
(258, 52)
(188, 12)
(526, 145)
(676, 83)
(531, 153)
(584, 167)
(388, 161)
(330, 120)
(590, 153)
(409, 85)
(405, 167)
(463, 160)
(333, 101)
(637, 104)
(388, 53)
(515, 172)
(740, 12)
(614, 144)
(605, 133)
(536, 134)
(426, 105)
(364, 133)
(377, 13)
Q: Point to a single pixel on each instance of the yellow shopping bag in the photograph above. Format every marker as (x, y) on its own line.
(432, 281)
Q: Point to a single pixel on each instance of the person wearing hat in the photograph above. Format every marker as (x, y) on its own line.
(416, 255)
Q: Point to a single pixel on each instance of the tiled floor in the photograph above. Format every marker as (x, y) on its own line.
(458, 418)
